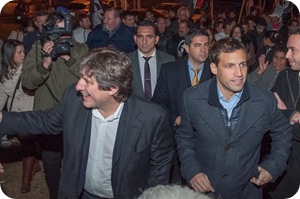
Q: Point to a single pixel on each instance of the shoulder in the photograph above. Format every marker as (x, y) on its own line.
(287, 71)
(164, 56)
(259, 93)
(132, 54)
(125, 29)
(143, 106)
(201, 90)
(97, 30)
(179, 63)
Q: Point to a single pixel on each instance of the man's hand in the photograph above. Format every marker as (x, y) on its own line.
(263, 64)
(47, 49)
(178, 120)
(295, 118)
(263, 178)
(201, 183)
(280, 104)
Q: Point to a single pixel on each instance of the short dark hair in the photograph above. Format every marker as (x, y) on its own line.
(147, 23)
(79, 16)
(127, 13)
(111, 69)
(41, 13)
(281, 48)
(195, 33)
(225, 45)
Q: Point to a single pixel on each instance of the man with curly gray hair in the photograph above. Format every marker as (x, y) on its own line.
(115, 144)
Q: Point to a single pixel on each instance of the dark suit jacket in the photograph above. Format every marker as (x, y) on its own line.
(173, 80)
(137, 82)
(143, 148)
(287, 87)
(231, 158)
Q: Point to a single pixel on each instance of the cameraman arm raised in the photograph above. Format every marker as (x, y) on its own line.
(46, 51)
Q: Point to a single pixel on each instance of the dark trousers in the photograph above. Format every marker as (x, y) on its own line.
(86, 195)
(52, 169)
(51, 146)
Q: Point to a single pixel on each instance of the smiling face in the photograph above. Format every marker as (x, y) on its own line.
(92, 95)
(231, 72)
(279, 61)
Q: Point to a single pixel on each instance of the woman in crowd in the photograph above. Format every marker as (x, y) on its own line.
(237, 32)
(18, 98)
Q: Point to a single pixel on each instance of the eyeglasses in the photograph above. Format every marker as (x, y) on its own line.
(108, 19)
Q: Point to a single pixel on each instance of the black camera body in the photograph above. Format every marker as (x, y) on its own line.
(54, 33)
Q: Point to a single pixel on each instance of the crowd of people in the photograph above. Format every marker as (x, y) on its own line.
(210, 105)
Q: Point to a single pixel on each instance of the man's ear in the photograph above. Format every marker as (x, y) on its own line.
(113, 91)
(156, 39)
(213, 68)
(134, 37)
(187, 48)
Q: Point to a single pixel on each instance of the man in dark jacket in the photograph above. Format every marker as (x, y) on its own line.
(287, 92)
(175, 77)
(115, 144)
(223, 122)
(112, 32)
(164, 34)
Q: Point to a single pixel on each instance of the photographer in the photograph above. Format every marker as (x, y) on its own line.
(49, 70)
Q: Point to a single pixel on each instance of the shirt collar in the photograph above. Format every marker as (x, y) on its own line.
(114, 116)
(141, 55)
(236, 95)
(191, 65)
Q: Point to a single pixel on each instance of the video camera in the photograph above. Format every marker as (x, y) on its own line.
(53, 33)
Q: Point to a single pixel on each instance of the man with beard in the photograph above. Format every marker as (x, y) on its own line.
(112, 32)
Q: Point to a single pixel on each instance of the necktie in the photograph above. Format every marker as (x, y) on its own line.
(195, 79)
(147, 79)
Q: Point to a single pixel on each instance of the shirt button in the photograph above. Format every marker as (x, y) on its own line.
(227, 147)
(225, 175)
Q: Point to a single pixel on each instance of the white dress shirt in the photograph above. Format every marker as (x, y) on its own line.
(102, 141)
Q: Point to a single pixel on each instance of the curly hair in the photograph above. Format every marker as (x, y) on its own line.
(111, 69)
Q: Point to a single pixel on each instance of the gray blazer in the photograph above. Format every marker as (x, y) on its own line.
(137, 83)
